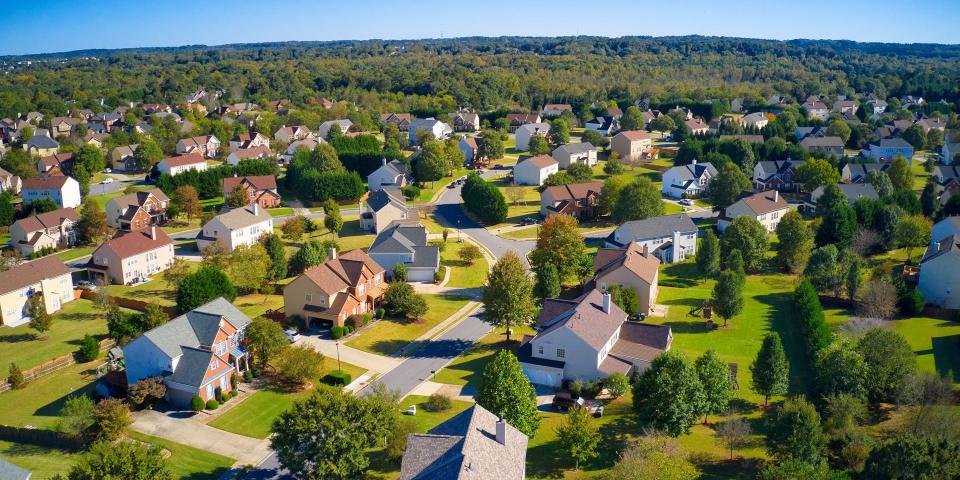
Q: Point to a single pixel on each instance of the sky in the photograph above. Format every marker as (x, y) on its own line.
(47, 26)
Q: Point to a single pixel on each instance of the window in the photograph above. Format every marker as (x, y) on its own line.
(209, 391)
(308, 298)
(561, 353)
(362, 288)
(214, 365)
(540, 349)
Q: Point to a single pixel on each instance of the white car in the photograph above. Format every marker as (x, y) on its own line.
(107, 180)
(292, 335)
(686, 202)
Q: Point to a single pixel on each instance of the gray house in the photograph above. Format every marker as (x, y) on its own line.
(671, 238)
(406, 243)
(325, 127)
(571, 153)
(390, 174)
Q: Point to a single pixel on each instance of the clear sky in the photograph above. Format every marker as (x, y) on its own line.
(43, 26)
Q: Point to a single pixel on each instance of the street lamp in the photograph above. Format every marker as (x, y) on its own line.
(338, 357)
(459, 238)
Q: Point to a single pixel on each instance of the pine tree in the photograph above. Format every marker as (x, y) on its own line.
(278, 256)
(708, 255)
(40, 320)
(812, 322)
(771, 369)
(506, 391)
(548, 282)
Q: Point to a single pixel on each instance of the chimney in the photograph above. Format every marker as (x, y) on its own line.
(501, 431)
(332, 253)
(256, 209)
(383, 161)
(646, 250)
(153, 232)
(776, 196)
(694, 162)
(606, 302)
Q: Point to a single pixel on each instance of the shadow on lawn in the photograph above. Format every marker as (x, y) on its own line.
(946, 355)
(19, 337)
(53, 408)
(784, 323)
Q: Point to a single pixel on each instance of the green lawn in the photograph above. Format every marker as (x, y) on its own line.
(38, 404)
(42, 461)
(157, 290)
(429, 189)
(256, 304)
(462, 275)
(389, 335)
(351, 237)
(526, 233)
(74, 253)
(181, 225)
(188, 462)
(466, 369)
(280, 212)
(78, 318)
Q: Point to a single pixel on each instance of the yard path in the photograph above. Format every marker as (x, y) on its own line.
(354, 356)
(187, 431)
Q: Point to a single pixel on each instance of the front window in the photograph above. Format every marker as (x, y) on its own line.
(561, 353)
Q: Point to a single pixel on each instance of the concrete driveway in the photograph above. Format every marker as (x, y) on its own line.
(360, 358)
(190, 432)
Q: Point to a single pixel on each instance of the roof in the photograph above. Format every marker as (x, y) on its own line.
(634, 258)
(895, 142)
(574, 191)
(406, 238)
(533, 127)
(342, 272)
(764, 202)
(523, 117)
(659, 226)
(853, 191)
(470, 141)
(466, 447)
(692, 171)
(56, 160)
(192, 366)
(946, 172)
(772, 167)
(643, 341)
(55, 182)
(585, 318)
(140, 198)
(258, 182)
(822, 142)
(188, 159)
(29, 273)
(539, 161)
(133, 243)
(634, 135)
(196, 141)
(573, 148)
(42, 141)
(381, 198)
(394, 168)
(243, 217)
(944, 246)
(48, 219)
(196, 327)
(254, 152)
(9, 471)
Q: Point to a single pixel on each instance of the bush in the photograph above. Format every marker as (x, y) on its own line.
(233, 382)
(912, 302)
(400, 272)
(367, 317)
(218, 394)
(438, 275)
(411, 192)
(196, 403)
(247, 376)
(381, 312)
(355, 322)
(337, 378)
(16, 377)
(438, 402)
(212, 404)
(234, 393)
(89, 349)
(618, 384)
(337, 332)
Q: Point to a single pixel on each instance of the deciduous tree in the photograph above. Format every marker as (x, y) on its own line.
(638, 200)
(508, 294)
(714, 376)
(668, 396)
(747, 235)
(186, 201)
(796, 242)
(506, 391)
(578, 437)
(202, 286)
(266, 339)
(107, 460)
(727, 298)
(794, 432)
(770, 370)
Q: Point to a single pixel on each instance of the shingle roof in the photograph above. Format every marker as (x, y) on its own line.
(895, 142)
(42, 141)
(29, 273)
(243, 217)
(134, 243)
(692, 171)
(191, 367)
(259, 182)
(572, 148)
(539, 161)
(55, 182)
(253, 152)
(381, 198)
(344, 271)
(138, 199)
(822, 142)
(634, 135)
(574, 191)
(9, 471)
(188, 159)
(659, 226)
(586, 319)
(853, 191)
(763, 202)
(943, 246)
(48, 219)
(186, 330)
(634, 258)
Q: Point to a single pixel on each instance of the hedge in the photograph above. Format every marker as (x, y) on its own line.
(337, 378)
(212, 404)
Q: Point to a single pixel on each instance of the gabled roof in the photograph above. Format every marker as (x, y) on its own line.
(9, 471)
(191, 158)
(242, 217)
(895, 142)
(574, 191)
(764, 202)
(253, 152)
(944, 246)
(138, 199)
(46, 220)
(523, 118)
(585, 318)
(634, 135)
(57, 160)
(381, 198)
(634, 258)
(853, 191)
(196, 327)
(574, 148)
(692, 171)
(197, 141)
(192, 366)
(539, 161)
(342, 272)
(134, 243)
(534, 127)
(821, 142)
(393, 168)
(404, 238)
(42, 141)
(32, 272)
(663, 226)
(55, 182)
(258, 182)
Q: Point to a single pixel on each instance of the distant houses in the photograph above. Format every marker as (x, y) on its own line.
(174, 166)
(260, 189)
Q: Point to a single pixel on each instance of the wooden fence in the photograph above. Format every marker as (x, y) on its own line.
(132, 304)
(50, 366)
(45, 438)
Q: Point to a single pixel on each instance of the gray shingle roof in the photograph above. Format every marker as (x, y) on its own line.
(42, 141)
(9, 471)
(659, 226)
(690, 172)
(381, 198)
(572, 148)
(192, 328)
(243, 217)
(405, 238)
(586, 319)
(191, 367)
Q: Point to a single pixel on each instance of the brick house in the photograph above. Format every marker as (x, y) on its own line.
(261, 189)
(577, 199)
(345, 285)
(138, 210)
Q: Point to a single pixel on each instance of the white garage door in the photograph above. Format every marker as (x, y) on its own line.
(542, 376)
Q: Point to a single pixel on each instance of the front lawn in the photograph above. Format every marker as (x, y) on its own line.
(256, 304)
(44, 462)
(188, 462)
(466, 369)
(351, 237)
(525, 233)
(462, 275)
(157, 290)
(76, 319)
(280, 212)
(74, 253)
(389, 335)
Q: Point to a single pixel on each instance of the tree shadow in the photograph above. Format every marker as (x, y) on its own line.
(388, 347)
(783, 321)
(53, 408)
(17, 337)
(946, 355)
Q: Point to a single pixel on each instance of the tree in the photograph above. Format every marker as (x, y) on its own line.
(560, 244)
(794, 432)
(187, 201)
(916, 136)
(507, 392)
(333, 223)
(610, 193)
(913, 231)
(900, 175)
(881, 183)
(265, 339)
(831, 196)
(559, 132)
(714, 376)
(147, 390)
(877, 299)
(40, 320)
(483, 199)
(538, 146)
(206, 284)
(118, 460)
(625, 297)
(770, 371)
(727, 298)
(824, 268)
(16, 379)
(147, 155)
(708, 255)
(810, 313)
(237, 197)
(397, 444)
(547, 282)
(469, 253)
(397, 298)
(489, 147)
(278, 256)
(889, 360)
(838, 226)
(299, 363)
(816, 172)
(654, 457)
(638, 200)
(632, 119)
(734, 434)
(508, 294)
(747, 235)
(7, 210)
(400, 272)
(663, 123)
(293, 229)
(417, 307)
(727, 185)
(841, 414)
(668, 396)
(112, 417)
(310, 254)
(93, 223)
(909, 456)
(928, 200)
(612, 167)
(324, 157)
(89, 349)
(617, 384)
(248, 267)
(840, 369)
(796, 242)
(578, 437)
(839, 128)
(580, 172)
(82, 176)
(77, 413)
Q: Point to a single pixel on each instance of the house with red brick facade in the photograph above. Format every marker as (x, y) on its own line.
(138, 210)
(261, 189)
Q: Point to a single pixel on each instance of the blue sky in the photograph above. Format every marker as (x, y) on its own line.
(42, 26)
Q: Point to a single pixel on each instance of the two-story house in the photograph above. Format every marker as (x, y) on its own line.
(251, 153)
(239, 226)
(468, 145)
(249, 140)
(827, 144)
(534, 170)
(767, 207)
(56, 229)
(583, 153)
(576, 199)
(776, 175)
(555, 109)
(10, 182)
(389, 174)
(671, 238)
(195, 353)
(384, 207)
(885, 149)
(46, 276)
(633, 266)
(688, 181)
(177, 165)
(63, 126)
(439, 130)
(589, 339)
(132, 257)
(344, 285)
(343, 124)
(292, 133)
(465, 121)
(406, 244)
(940, 273)
(853, 192)
(261, 189)
(858, 172)
(631, 145)
(63, 190)
(401, 120)
(206, 145)
(41, 145)
(529, 130)
(519, 119)
(58, 164)
(138, 210)
(121, 158)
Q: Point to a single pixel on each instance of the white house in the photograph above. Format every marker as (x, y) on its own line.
(605, 125)
(939, 281)
(177, 165)
(671, 238)
(767, 207)
(438, 129)
(527, 131)
(584, 153)
(240, 226)
(406, 243)
(47, 276)
(534, 170)
(468, 145)
(756, 120)
(63, 190)
(688, 180)
(389, 174)
(950, 148)
(324, 130)
(251, 153)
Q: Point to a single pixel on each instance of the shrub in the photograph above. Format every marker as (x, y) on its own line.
(911, 302)
(577, 387)
(438, 402)
(247, 376)
(337, 332)
(196, 403)
(234, 393)
(438, 276)
(89, 349)
(400, 272)
(381, 312)
(618, 384)
(410, 192)
(212, 404)
(233, 382)
(367, 317)
(16, 377)
(218, 394)
(337, 378)
(355, 322)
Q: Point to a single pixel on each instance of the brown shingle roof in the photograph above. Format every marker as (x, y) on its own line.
(634, 135)
(540, 161)
(45, 183)
(48, 219)
(134, 243)
(342, 272)
(32, 272)
(765, 202)
(188, 159)
(254, 152)
(258, 182)
(637, 259)
(587, 319)
(574, 191)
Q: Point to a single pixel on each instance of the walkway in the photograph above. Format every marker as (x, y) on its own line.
(354, 356)
(246, 450)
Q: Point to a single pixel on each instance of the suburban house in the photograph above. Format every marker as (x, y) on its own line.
(776, 175)
(944, 228)
(816, 109)
(63, 190)
(58, 164)
(390, 174)
(406, 244)
(468, 145)
(121, 158)
(555, 109)
(803, 132)
(177, 165)
(475, 444)
(251, 153)
(908, 101)
(138, 210)
(519, 119)
(755, 120)
(945, 175)
(605, 125)
(534, 170)
(465, 121)
(383, 208)
(885, 149)
(767, 207)
(63, 126)
(261, 189)
(576, 199)
(950, 148)
(690, 180)
(104, 122)
(401, 120)
(633, 266)
(697, 126)
(853, 192)
(940, 273)
(292, 133)
(857, 172)
(56, 229)
(195, 353)
(239, 226)
(588, 339)
(46, 276)
(438, 129)
(324, 130)
(10, 182)
(308, 144)
(96, 139)
(632, 145)
(527, 131)
(206, 145)
(830, 145)
(132, 257)
(41, 145)
(249, 140)
(344, 285)
(570, 153)
(671, 238)
(845, 107)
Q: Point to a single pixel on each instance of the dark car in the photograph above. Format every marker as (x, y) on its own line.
(565, 401)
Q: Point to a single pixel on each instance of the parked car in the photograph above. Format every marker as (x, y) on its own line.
(86, 285)
(292, 335)
(107, 180)
(686, 202)
(564, 401)
(529, 221)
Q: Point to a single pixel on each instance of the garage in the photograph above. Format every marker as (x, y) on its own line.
(543, 375)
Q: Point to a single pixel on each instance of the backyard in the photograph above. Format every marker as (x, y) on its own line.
(386, 336)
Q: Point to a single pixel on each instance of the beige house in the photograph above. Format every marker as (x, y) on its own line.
(767, 207)
(47, 276)
(132, 257)
(290, 134)
(240, 226)
(122, 157)
(632, 145)
(383, 208)
(345, 285)
(634, 266)
(206, 145)
(54, 229)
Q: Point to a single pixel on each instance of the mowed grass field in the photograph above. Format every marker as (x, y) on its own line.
(389, 335)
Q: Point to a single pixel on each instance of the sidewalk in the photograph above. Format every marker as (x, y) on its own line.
(192, 433)
(370, 361)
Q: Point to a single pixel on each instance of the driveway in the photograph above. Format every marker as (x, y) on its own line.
(354, 356)
(245, 450)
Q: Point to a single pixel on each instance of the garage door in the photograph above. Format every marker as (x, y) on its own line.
(542, 376)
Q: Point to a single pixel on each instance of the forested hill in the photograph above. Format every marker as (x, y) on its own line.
(486, 73)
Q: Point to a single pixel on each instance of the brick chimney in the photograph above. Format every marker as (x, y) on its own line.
(501, 431)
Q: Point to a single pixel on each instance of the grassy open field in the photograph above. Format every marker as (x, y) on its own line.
(462, 275)
(188, 462)
(157, 290)
(389, 335)
(38, 403)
